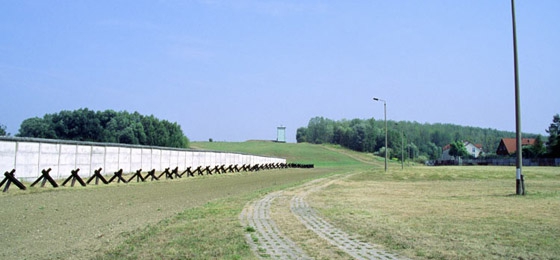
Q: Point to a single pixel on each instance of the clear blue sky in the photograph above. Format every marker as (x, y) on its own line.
(235, 70)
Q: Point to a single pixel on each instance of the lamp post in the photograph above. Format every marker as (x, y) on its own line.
(385, 114)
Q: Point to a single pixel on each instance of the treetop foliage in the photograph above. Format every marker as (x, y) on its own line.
(553, 143)
(105, 126)
(368, 135)
(3, 130)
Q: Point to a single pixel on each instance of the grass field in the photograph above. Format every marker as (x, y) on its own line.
(419, 212)
(450, 212)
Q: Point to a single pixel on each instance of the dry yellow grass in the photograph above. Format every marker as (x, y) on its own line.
(451, 212)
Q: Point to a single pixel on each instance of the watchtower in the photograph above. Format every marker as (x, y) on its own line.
(281, 134)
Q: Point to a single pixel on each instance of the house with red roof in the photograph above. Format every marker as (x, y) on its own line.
(508, 146)
(475, 150)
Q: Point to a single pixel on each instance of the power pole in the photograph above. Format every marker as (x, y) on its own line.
(519, 182)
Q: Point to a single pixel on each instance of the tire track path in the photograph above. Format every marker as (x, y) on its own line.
(347, 243)
(268, 241)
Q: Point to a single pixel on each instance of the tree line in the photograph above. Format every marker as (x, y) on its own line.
(412, 139)
(105, 126)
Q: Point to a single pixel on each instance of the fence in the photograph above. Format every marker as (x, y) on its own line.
(32, 155)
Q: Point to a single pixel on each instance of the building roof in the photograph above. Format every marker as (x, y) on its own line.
(509, 145)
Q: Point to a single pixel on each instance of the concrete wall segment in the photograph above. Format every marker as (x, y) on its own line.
(125, 161)
(49, 157)
(98, 158)
(30, 155)
(136, 159)
(26, 158)
(156, 159)
(146, 159)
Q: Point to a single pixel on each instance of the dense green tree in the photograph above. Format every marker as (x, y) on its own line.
(553, 143)
(358, 137)
(105, 126)
(381, 152)
(412, 151)
(3, 130)
(320, 130)
(458, 149)
(36, 127)
(536, 150)
(433, 151)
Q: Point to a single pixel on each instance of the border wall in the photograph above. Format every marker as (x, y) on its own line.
(31, 155)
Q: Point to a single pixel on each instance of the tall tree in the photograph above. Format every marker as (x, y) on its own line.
(554, 137)
(36, 127)
(3, 130)
(301, 135)
(320, 130)
(537, 149)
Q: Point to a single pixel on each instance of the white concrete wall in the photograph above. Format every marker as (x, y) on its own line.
(29, 156)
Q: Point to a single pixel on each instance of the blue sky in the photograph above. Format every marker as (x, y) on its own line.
(235, 70)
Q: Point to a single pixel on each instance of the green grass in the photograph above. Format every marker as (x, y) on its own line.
(419, 212)
(208, 232)
(450, 212)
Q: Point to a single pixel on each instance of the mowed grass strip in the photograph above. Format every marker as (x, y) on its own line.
(83, 222)
(450, 212)
(211, 231)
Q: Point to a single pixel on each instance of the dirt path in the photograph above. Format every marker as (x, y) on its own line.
(267, 240)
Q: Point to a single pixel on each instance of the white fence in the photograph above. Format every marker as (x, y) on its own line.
(31, 155)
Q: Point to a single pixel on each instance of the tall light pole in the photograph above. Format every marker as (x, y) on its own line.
(385, 113)
(520, 187)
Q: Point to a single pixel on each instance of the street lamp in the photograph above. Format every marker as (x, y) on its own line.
(385, 113)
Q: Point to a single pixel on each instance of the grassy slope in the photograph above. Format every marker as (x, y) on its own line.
(301, 153)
